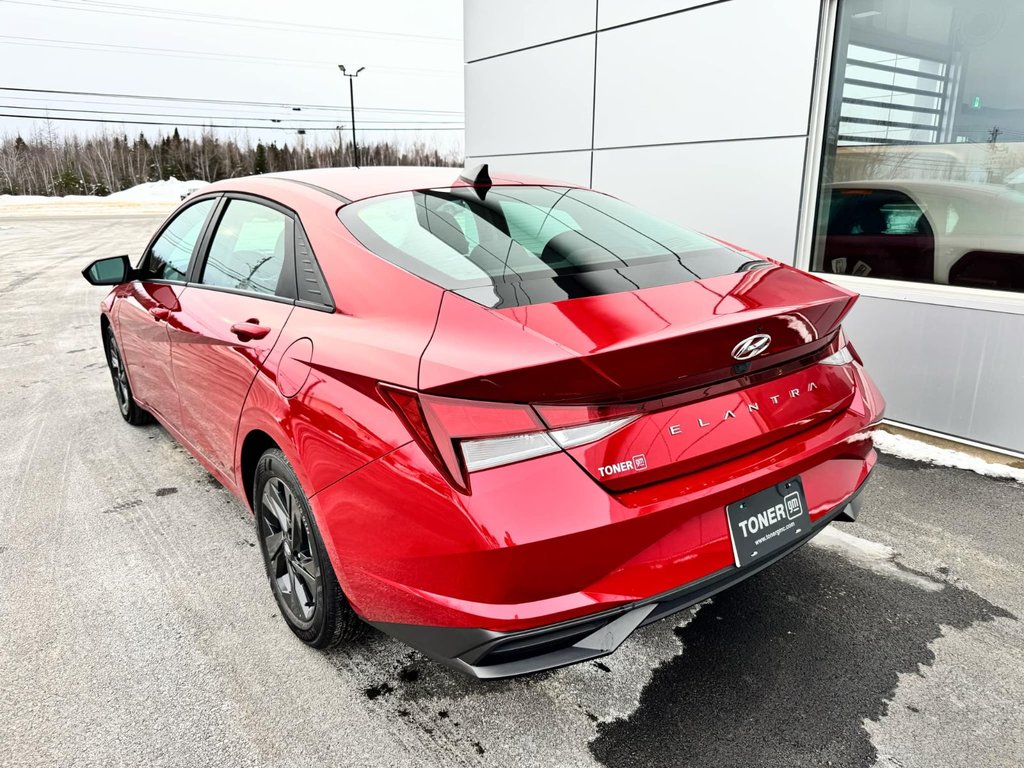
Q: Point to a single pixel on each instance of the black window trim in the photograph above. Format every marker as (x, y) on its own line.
(306, 296)
(290, 265)
(138, 271)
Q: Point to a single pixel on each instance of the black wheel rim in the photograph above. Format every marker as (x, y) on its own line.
(119, 375)
(288, 546)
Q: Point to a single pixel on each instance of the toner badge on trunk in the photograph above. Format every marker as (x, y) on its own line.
(637, 463)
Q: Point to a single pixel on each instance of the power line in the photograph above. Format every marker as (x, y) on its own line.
(117, 106)
(195, 100)
(177, 53)
(334, 123)
(213, 125)
(222, 19)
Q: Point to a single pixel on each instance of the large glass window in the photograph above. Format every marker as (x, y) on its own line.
(170, 255)
(518, 245)
(923, 168)
(248, 250)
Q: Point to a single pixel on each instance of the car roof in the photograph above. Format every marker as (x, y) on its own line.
(359, 183)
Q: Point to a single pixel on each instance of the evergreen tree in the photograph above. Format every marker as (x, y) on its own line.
(260, 163)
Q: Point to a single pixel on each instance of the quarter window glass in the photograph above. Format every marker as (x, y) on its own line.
(248, 249)
(169, 257)
(923, 167)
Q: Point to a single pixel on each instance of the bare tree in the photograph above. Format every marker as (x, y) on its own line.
(46, 164)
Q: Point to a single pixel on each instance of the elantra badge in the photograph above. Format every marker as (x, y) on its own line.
(752, 346)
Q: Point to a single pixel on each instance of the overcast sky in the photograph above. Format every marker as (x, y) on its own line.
(236, 50)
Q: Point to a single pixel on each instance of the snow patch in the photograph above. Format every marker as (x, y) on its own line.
(915, 450)
(169, 191)
(870, 555)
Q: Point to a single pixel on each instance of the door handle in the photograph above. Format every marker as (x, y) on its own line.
(249, 330)
(160, 313)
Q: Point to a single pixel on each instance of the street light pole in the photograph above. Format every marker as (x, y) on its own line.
(352, 109)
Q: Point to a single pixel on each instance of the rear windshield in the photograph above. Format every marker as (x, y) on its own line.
(515, 245)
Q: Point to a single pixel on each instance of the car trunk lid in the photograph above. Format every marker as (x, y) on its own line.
(664, 355)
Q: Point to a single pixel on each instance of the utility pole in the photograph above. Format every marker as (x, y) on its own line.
(352, 108)
(300, 141)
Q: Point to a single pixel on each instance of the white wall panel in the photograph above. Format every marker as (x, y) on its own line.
(746, 192)
(612, 12)
(947, 369)
(738, 69)
(571, 167)
(532, 101)
(494, 27)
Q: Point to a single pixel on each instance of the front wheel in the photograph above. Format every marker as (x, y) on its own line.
(130, 410)
(300, 573)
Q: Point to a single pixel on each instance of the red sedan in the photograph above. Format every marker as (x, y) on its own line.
(507, 421)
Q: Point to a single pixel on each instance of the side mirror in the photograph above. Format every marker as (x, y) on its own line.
(111, 271)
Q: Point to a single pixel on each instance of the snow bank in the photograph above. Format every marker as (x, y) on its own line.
(169, 191)
(908, 448)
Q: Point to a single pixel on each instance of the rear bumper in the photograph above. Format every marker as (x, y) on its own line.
(540, 549)
(487, 654)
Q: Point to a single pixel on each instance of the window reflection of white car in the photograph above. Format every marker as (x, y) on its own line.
(953, 233)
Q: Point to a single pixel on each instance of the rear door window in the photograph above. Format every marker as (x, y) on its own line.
(249, 249)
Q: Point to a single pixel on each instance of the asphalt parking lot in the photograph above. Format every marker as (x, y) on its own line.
(136, 627)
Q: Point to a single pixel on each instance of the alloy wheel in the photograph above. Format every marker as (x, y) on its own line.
(293, 564)
(120, 377)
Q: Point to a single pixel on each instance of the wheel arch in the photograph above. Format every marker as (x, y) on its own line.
(105, 324)
(258, 439)
(256, 443)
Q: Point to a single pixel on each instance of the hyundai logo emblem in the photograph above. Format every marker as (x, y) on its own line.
(752, 346)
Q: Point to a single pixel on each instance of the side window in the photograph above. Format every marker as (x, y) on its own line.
(169, 257)
(248, 249)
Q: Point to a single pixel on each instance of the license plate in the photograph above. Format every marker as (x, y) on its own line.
(767, 521)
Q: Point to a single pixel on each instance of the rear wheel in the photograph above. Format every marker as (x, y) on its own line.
(130, 410)
(300, 573)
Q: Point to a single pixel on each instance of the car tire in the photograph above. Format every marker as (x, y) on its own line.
(300, 573)
(131, 411)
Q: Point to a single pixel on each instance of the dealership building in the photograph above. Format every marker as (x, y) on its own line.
(878, 142)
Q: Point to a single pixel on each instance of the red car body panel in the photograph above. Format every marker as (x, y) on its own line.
(214, 369)
(530, 544)
(622, 346)
(146, 344)
(522, 550)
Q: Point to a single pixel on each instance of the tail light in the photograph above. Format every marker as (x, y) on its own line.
(841, 351)
(842, 357)
(464, 436)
